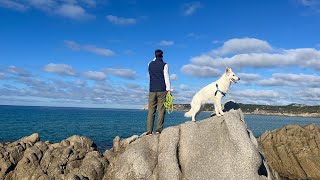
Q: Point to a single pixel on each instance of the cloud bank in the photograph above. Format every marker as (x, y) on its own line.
(269, 75)
(88, 48)
(71, 9)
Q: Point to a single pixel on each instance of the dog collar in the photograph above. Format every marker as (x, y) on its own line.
(218, 90)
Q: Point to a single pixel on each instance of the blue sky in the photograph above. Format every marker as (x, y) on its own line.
(94, 53)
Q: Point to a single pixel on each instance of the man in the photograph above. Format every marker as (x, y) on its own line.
(159, 87)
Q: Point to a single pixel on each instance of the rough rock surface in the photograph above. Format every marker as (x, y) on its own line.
(29, 158)
(293, 152)
(214, 148)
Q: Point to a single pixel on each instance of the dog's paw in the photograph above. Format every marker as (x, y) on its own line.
(222, 113)
(218, 115)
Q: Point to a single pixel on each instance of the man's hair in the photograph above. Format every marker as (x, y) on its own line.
(158, 53)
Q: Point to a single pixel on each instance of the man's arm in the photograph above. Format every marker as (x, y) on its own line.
(166, 77)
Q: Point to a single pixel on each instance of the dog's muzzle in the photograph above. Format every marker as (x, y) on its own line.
(234, 80)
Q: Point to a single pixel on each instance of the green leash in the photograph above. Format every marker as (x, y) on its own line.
(168, 104)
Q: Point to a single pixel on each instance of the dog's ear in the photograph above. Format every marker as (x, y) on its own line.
(228, 70)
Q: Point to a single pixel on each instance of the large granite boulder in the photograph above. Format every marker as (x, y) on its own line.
(215, 148)
(293, 152)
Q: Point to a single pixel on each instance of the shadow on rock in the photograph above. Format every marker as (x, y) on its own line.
(227, 107)
(230, 105)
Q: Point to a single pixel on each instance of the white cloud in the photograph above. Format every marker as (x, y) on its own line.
(289, 79)
(121, 20)
(73, 12)
(200, 71)
(309, 94)
(216, 41)
(133, 86)
(89, 48)
(243, 45)
(124, 73)
(45, 5)
(80, 83)
(99, 51)
(72, 45)
(72, 9)
(302, 58)
(166, 43)
(61, 69)
(253, 93)
(91, 3)
(255, 60)
(173, 77)
(184, 87)
(248, 76)
(310, 3)
(18, 71)
(13, 5)
(129, 52)
(190, 8)
(248, 54)
(2, 76)
(76, 92)
(255, 96)
(194, 35)
(95, 75)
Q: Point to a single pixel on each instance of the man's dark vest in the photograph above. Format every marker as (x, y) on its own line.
(157, 82)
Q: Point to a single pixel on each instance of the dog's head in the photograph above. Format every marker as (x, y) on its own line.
(231, 76)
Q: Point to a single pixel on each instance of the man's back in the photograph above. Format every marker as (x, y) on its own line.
(156, 72)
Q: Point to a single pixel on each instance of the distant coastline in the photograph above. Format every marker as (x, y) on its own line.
(299, 110)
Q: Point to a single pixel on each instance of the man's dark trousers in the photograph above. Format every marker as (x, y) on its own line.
(156, 101)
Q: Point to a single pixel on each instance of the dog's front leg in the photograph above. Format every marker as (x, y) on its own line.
(219, 108)
(216, 109)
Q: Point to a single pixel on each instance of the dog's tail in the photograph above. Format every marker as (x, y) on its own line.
(188, 114)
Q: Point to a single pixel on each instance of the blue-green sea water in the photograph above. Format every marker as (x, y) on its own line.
(102, 125)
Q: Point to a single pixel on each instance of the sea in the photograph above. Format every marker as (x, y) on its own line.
(101, 125)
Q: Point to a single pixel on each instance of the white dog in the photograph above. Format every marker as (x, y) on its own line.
(212, 93)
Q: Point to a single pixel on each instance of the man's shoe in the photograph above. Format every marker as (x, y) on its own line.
(149, 133)
(159, 131)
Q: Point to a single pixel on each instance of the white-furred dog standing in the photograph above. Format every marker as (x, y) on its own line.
(212, 93)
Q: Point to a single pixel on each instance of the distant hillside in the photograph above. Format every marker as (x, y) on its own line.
(289, 110)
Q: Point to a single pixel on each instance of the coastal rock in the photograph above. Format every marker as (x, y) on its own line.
(215, 148)
(136, 161)
(168, 159)
(73, 158)
(293, 152)
(219, 148)
(12, 153)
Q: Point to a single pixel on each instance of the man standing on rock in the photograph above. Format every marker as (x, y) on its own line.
(158, 89)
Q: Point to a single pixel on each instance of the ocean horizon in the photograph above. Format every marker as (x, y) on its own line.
(102, 124)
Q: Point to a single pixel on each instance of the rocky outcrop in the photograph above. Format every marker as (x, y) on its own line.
(215, 148)
(29, 158)
(293, 152)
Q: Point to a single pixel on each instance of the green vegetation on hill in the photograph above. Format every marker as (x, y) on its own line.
(292, 108)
